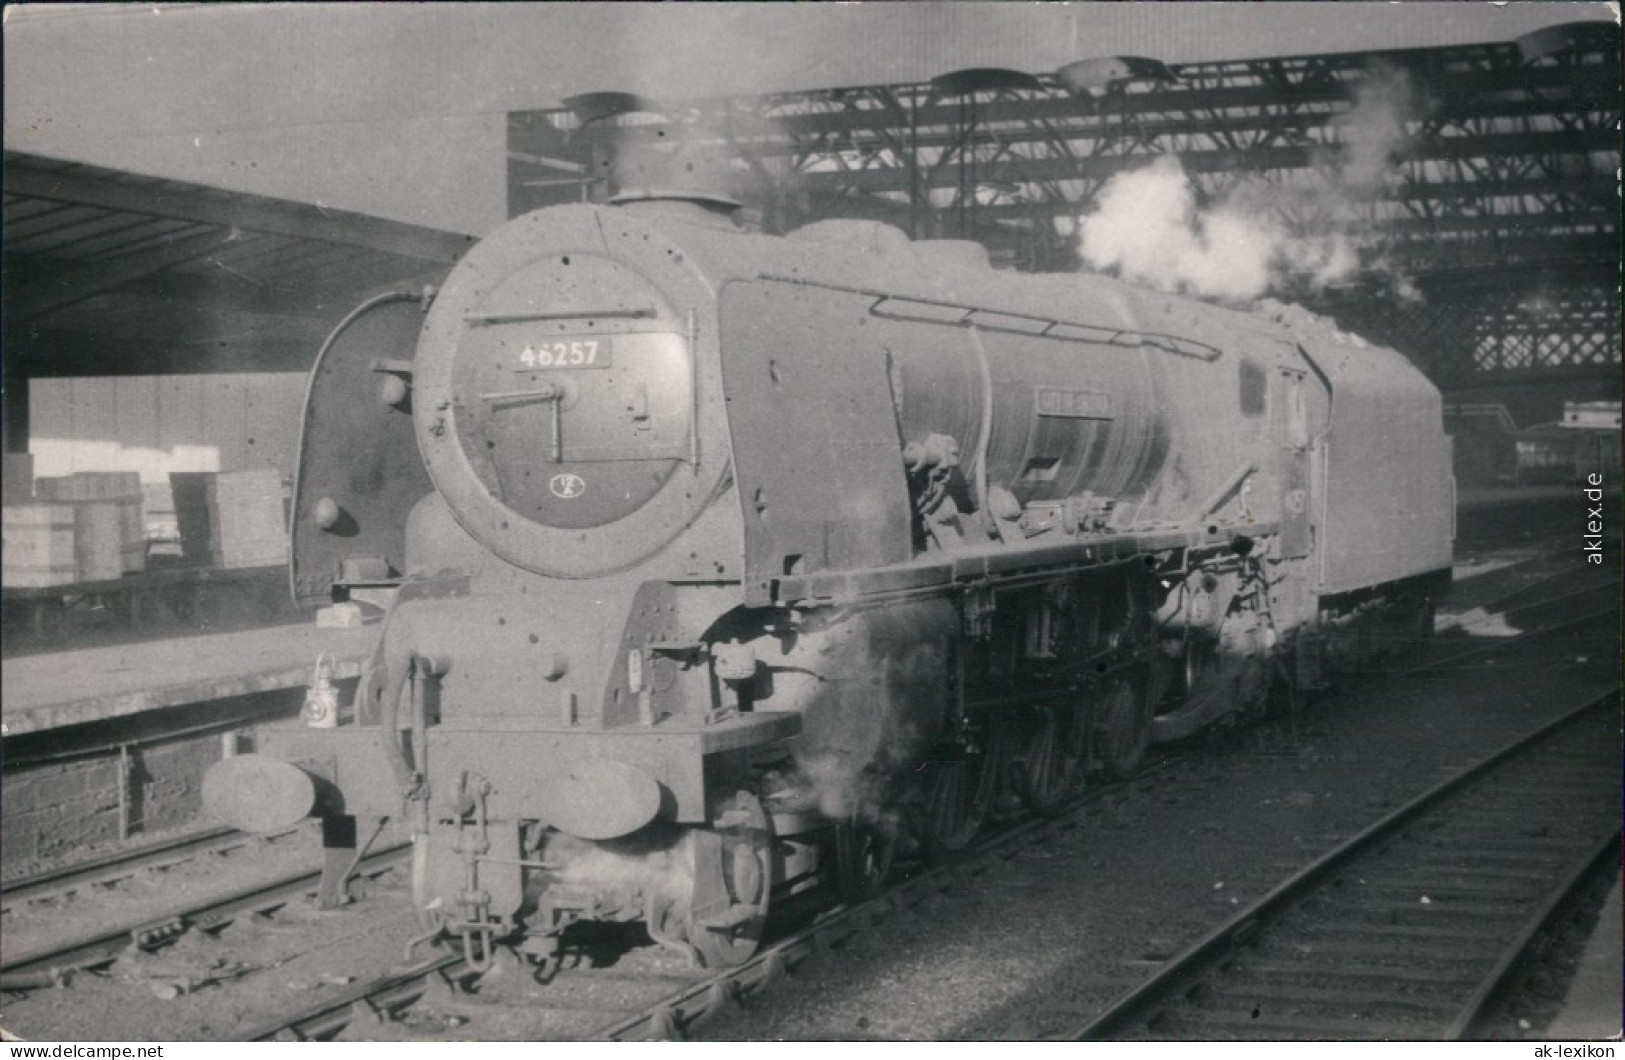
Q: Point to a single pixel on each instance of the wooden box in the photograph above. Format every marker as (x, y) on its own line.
(231, 518)
(18, 484)
(189, 492)
(246, 519)
(98, 540)
(121, 488)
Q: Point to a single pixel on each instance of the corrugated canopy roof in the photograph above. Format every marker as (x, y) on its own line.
(109, 272)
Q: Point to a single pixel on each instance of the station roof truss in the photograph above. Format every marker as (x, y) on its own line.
(108, 272)
(1487, 230)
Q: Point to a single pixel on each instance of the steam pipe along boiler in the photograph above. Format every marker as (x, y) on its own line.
(717, 565)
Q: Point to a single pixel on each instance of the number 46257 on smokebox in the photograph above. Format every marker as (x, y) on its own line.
(563, 353)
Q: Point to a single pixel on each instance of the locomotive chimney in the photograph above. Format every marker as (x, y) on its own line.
(680, 183)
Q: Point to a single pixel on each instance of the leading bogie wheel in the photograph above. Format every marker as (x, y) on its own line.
(733, 883)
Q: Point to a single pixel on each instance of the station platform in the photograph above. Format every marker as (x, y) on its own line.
(58, 689)
(1592, 1009)
(49, 691)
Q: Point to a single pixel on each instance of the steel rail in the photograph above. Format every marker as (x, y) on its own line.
(1474, 1007)
(105, 945)
(675, 1014)
(668, 1016)
(1139, 1003)
(1508, 603)
(387, 993)
(1503, 643)
(118, 864)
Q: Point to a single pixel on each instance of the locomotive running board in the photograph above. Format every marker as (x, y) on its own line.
(1005, 565)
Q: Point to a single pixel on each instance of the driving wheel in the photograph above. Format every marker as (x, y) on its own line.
(864, 852)
(958, 789)
(1123, 723)
(1049, 761)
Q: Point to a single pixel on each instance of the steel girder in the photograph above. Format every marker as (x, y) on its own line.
(1503, 165)
(1540, 322)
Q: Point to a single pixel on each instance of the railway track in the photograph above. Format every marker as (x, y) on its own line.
(653, 1009)
(109, 869)
(678, 1015)
(1498, 619)
(1536, 578)
(53, 963)
(660, 1005)
(1528, 597)
(1408, 929)
(1503, 643)
(610, 1003)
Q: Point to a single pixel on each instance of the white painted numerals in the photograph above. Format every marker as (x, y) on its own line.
(582, 353)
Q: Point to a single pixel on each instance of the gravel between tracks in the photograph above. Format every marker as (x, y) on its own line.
(258, 966)
(1052, 935)
(148, 893)
(1023, 950)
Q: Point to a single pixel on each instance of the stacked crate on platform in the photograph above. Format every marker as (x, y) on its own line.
(18, 485)
(38, 546)
(158, 502)
(231, 519)
(190, 491)
(99, 540)
(247, 520)
(110, 530)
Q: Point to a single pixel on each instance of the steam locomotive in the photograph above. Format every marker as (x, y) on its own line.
(719, 566)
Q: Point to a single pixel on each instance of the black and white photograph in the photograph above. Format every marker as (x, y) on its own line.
(811, 522)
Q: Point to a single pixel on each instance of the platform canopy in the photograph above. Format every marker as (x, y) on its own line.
(114, 273)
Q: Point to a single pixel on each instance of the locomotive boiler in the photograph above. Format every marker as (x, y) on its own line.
(720, 566)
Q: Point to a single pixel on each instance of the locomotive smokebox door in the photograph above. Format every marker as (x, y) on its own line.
(815, 437)
(359, 470)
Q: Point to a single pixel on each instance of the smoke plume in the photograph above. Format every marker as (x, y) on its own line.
(1150, 227)
(1374, 131)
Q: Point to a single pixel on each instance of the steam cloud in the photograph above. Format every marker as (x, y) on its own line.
(1150, 228)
